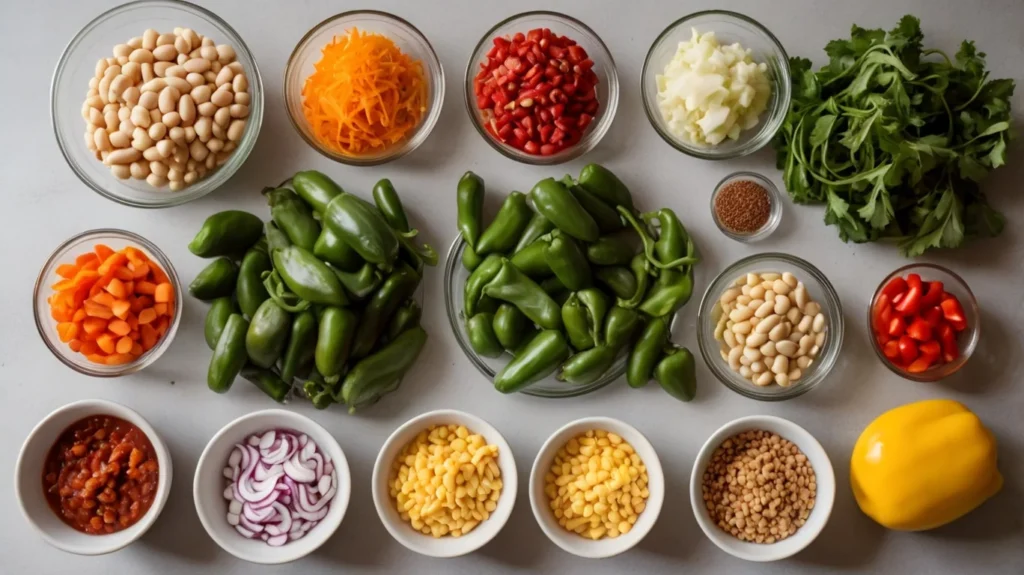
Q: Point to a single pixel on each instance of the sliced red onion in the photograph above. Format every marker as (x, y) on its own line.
(279, 487)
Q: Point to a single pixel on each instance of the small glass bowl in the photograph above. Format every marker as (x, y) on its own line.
(604, 67)
(967, 339)
(77, 65)
(455, 276)
(775, 204)
(409, 40)
(819, 289)
(66, 253)
(729, 27)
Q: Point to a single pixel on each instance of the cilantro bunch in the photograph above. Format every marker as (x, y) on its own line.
(895, 139)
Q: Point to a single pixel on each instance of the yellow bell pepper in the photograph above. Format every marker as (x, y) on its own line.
(923, 465)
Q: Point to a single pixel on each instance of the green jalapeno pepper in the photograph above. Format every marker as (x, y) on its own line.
(537, 227)
(588, 366)
(649, 245)
(329, 248)
(620, 280)
(268, 382)
(276, 239)
(606, 186)
(249, 288)
(677, 374)
(267, 334)
(279, 292)
(216, 318)
(470, 200)
(673, 240)
(397, 288)
(532, 260)
(487, 304)
(647, 352)
(608, 220)
(316, 188)
(583, 316)
(362, 282)
(553, 286)
(670, 292)
(301, 344)
(552, 199)
(390, 205)
(293, 217)
(537, 360)
(641, 271)
(510, 326)
(480, 329)
(226, 233)
(566, 259)
(229, 354)
(334, 341)
(620, 326)
(481, 276)
(613, 250)
(470, 259)
(508, 225)
(406, 317)
(215, 280)
(516, 288)
(359, 224)
(379, 373)
(308, 277)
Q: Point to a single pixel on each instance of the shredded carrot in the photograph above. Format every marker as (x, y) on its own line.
(364, 95)
(98, 300)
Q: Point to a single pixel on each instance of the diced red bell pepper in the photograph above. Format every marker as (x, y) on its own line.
(882, 338)
(933, 316)
(897, 326)
(891, 350)
(933, 295)
(911, 302)
(954, 313)
(896, 286)
(950, 349)
(881, 304)
(898, 298)
(920, 330)
(914, 280)
(930, 350)
(908, 349)
(919, 365)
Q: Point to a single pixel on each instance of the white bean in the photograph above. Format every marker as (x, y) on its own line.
(770, 276)
(758, 367)
(239, 111)
(744, 360)
(752, 354)
(197, 65)
(779, 332)
(756, 292)
(746, 372)
(179, 84)
(734, 358)
(177, 134)
(753, 279)
(803, 362)
(140, 170)
(165, 39)
(805, 344)
(222, 98)
(222, 117)
(782, 379)
(795, 336)
(728, 336)
(795, 375)
(201, 94)
(242, 98)
(780, 287)
(141, 140)
(745, 290)
(125, 156)
(812, 308)
(801, 295)
(165, 53)
(766, 324)
(786, 348)
(164, 148)
(780, 364)
(171, 119)
(209, 53)
(741, 339)
(794, 315)
(764, 380)
(187, 110)
(158, 168)
(225, 54)
(756, 340)
(224, 77)
(741, 314)
(742, 327)
(240, 84)
(198, 150)
(195, 79)
(768, 349)
(157, 131)
(819, 340)
(156, 181)
(207, 109)
(203, 127)
(121, 171)
(805, 324)
(160, 68)
(813, 353)
(819, 323)
(152, 154)
(729, 296)
(102, 141)
(769, 295)
(140, 116)
(119, 139)
(176, 71)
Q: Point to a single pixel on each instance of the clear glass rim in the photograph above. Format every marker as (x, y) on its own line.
(590, 140)
(421, 133)
(223, 173)
(945, 370)
(145, 359)
(750, 146)
(825, 362)
(451, 264)
(774, 216)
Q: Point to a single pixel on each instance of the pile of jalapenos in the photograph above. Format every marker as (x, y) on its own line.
(570, 276)
(322, 294)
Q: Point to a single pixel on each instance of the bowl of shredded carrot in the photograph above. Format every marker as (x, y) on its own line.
(364, 87)
(107, 303)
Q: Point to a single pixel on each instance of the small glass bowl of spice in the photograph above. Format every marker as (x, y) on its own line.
(746, 207)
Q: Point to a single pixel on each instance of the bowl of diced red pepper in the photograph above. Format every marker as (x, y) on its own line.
(541, 88)
(924, 322)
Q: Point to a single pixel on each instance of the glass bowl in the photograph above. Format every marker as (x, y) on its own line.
(819, 289)
(77, 66)
(408, 39)
(604, 67)
(729, 27)
(455, 276)
(66, 253)
(774, 199)
(967, 339)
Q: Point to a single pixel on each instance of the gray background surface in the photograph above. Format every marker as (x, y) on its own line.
(44, 204)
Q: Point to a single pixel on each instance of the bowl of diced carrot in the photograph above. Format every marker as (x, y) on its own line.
(107, 303)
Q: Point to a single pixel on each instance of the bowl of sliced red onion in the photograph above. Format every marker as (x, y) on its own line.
(271, 486)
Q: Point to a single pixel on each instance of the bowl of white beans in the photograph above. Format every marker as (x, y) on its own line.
(168, 98)
(770, 327)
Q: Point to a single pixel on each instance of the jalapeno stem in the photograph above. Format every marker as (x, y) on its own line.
(649, 245)
(280, 294)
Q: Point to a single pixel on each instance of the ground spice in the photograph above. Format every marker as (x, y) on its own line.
(743, 206)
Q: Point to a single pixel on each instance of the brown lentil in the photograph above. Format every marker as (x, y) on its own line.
(759, 487)
(743, 206)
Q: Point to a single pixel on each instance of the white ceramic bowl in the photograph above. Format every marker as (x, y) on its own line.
(28, 475)
(445, 546)
(826, 492)
(209, 482)
(576, 544)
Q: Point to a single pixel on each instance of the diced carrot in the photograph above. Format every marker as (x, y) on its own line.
(121, 308)
(119, 359)
(103, 251)
(117, 259)
(136, 349)
(94, 309)
(86, 277)
(141, 271)
(91, 265)
(163, 293)
(145, 287)
(147, 315)
(135, 256)
(100, 284)
(160, 308)
(79, 316)
(62, 314)
(106, 342)
(170, 309)
(129, 287)
(158, 274)
(124, 345)
(94, 325)
(124, 274)
(86, 336)
(133, 321)
(140, 303)
(104, 299)
(67, 331)
(89, 348)
(116, 288)
(134, 334)
(67, 271)
(149, 336)
(119, 327)
(63, 285)
(75, 345)
(96, 358)
(85, 258)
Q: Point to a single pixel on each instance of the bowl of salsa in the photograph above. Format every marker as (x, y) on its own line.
(92, 477)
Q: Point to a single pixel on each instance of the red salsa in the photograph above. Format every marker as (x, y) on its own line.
(101, 475)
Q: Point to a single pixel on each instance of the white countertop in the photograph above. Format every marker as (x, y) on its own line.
(44, 204)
